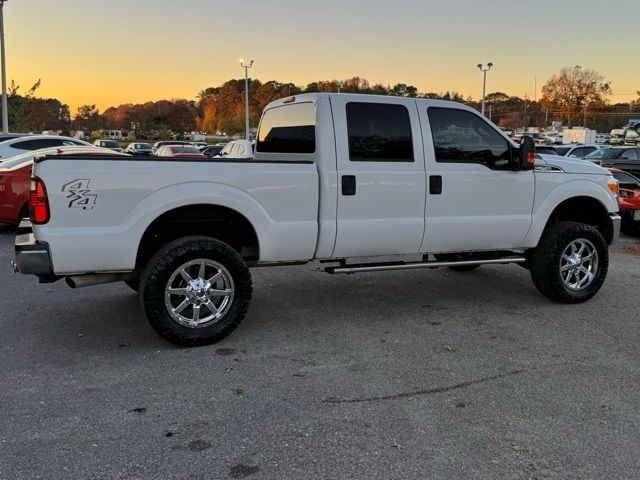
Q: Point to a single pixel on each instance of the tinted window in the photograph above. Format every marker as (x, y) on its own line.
(288, 129)
(379, 133)
(546, 150)
(625, 178)
(37, 144)
(460, 136)
(629, 155)
(582, 151)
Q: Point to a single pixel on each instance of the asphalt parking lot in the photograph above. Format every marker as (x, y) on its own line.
(420, 374)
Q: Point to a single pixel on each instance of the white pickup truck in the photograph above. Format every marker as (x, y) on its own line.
(334, 177)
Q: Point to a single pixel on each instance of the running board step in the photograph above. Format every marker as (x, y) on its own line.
(383, 267)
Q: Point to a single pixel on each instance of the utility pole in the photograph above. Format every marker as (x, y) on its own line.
(484, 70)
(246, 67)
(5, 107)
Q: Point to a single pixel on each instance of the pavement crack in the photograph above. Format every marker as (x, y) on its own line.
(431, 391)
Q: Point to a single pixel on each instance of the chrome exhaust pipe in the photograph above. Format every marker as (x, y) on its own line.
(90, 279)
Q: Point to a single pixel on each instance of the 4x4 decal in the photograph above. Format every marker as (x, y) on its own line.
(79, 194)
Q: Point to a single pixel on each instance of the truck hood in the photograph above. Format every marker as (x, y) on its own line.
(571, 165)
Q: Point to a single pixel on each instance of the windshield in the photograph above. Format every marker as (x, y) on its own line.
(185, 149)
(595, 155)
(611, 153)
(109, 144)
(142, 146)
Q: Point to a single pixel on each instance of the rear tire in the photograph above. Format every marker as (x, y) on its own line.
(570, 263)
(195, 291)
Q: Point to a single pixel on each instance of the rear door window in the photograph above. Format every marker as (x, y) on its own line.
(379, 133)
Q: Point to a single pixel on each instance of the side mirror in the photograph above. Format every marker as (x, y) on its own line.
(526, 157)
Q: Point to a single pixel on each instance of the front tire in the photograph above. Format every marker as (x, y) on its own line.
(195, 291)
(570, 263)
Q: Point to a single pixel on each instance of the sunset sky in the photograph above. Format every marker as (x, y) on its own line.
(120, 51)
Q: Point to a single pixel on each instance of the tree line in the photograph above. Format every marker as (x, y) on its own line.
(574, 96)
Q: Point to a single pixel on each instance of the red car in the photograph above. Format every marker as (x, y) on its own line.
(15, 180)
(628, 197)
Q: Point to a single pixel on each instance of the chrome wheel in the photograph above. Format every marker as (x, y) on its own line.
(579, 264)
(199, 293)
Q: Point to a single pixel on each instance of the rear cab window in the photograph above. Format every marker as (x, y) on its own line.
(288, 129)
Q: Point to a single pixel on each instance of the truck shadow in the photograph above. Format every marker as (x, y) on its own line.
(292, 301)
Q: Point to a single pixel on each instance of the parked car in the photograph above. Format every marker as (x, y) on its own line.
(581, 151)
(211, 150)
(16, 146)
(157, 145)
(623, 158)
(110, 144)
(628, 198)
(238, 149)
(10, 136)
(553, 149)
(547, 149)
(631, 136)
(15, 177)
(617, 136)
(139, 149)
(179, 151)
(335, 177)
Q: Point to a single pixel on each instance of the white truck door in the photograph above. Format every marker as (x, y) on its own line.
(381, 176)
(474, 202)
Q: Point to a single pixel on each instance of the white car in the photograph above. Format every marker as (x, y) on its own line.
(582, 150)
(110, 144)
(335, 178)
(16, 146)
(238, 149)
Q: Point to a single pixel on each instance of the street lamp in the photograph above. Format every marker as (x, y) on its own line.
(484, 70)
(5, 109)
(246, 67)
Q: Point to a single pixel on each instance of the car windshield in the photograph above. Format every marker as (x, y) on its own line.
(184, 149)
(626, 179)
(109, 144)
(595, 155)
(142, 146)
(612, 153)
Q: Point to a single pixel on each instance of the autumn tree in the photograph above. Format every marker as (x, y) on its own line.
(574, 91)
(88, 119)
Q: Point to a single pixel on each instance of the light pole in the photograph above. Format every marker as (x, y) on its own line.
(5, 108)
(484, 70)
(246, 67)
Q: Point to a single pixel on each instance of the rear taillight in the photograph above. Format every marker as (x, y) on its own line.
(38, 202)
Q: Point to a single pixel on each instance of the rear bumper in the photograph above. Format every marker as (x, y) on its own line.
(31, 257)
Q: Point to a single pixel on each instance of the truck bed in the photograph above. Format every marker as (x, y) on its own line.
(101, 206)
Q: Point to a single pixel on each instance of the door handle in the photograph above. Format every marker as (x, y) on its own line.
(435, 184)
(348, 185)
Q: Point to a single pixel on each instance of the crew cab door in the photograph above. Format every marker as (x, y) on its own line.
(381, 176)
(475, 202)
